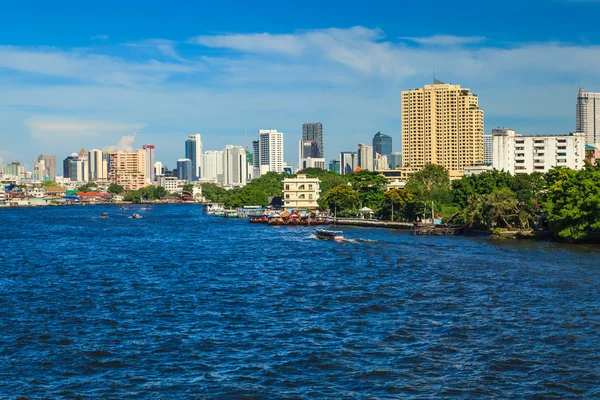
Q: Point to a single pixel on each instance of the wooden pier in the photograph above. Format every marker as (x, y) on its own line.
(434, 230)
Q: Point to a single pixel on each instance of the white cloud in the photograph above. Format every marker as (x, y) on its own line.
(164, 46)
(255, 43)
(124, 144)
(82, 66)
(52, 128)
(446, 40)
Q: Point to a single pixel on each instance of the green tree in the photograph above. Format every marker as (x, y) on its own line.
(113, 188)
(133, 196)
(499, 209)
(432, 183)
(369, 187)
(48, 183)
(188, 187)
(399, 201)
(342, 200)
(572, 202)
(88, 187)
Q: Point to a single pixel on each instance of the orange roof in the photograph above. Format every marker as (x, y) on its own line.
(92, 194)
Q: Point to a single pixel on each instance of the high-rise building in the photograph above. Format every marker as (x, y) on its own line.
(308, 153)
(50, 165)
(441, 124)
(365, 157)
(488, 144)
(334, 165)
(312, 163)
(588, 116)
(270, 151)
(128, 169)
(98, 162)
(382, 145)
(159, 169)
(193, 152)
(212, 166)
(150, 177)
(38, 171)
(67, 165)
(234, 166)
(380, 163)
(314, 131)
(348, 162)
(185, 170)
(255, 159)
(396, 160)
(519, 154)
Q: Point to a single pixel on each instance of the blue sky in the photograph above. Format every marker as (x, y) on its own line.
(91, 74)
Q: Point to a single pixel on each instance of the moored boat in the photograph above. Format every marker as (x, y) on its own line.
(329, 235)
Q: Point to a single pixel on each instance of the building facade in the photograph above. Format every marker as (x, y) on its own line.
(519, 154)
(193, 152)
(396, 160)
(50, 164)
(441, 124)
(488, 147)
(270, 151)
(312, 163)
(98, 162)
(382, 145)
(150, 177)
(348, 162)
(588, 116)
(128, 169)
(301, 192)
(365, 157)
(334, 165)
(185, 170)
(212, 170)
(314, 131)
(234, 166)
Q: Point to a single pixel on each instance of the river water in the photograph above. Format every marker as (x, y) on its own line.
(183, 305)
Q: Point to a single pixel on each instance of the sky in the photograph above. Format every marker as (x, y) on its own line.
(116, 74)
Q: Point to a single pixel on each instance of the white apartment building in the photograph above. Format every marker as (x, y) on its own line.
(301, 192)
(270, 151)
(158, 169)
(212, 166)
(519, 154)
(588, 116)
(381, 162)
(98, 165)
(170, 183)
(234, 166)
(348, 162)
(365, 157)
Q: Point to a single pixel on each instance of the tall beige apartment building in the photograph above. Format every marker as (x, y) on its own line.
(128, 169)
(441, 124)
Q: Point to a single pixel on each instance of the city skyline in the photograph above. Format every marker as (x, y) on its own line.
(96, 79)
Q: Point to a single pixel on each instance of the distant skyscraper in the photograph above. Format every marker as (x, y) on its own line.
(334, 165)
(488, 151)
(159, 168)
(234, 166)
(185, 170)
(588, 116)
(348, 162)
(255, 159)
(270, 151)
(98, 164)
(396, 159)
(442, 124)
(212, 170)
(382, 145)
(365, 157)
(50, 165)
(308, 148)
(314, 131)
(193, 152)
(149, 162)
(67, 165)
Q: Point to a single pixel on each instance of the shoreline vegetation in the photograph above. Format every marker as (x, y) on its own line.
(562, 204)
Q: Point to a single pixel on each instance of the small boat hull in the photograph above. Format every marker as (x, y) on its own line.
(329, 235)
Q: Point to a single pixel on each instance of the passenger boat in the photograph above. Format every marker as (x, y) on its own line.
(135, 216)
(329, 235)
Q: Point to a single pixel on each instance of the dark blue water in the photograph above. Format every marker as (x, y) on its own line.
(181, 305)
